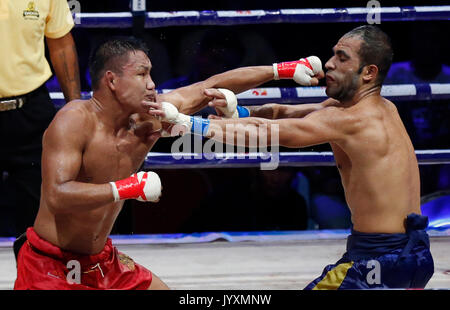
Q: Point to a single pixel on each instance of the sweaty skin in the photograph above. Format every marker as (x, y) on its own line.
(93, 142)
(372, 150)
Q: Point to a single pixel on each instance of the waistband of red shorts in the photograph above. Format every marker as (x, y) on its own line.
(44, 247)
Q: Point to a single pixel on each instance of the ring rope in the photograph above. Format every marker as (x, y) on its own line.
(259, 96)
(156, 160)
(241, 17)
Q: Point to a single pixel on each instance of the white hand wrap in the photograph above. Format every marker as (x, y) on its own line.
(230, 111)
(174, 117)
(195, 125)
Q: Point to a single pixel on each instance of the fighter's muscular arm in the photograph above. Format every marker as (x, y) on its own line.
(325, 125)
(277, 111)
(192, 98)
(63, 145)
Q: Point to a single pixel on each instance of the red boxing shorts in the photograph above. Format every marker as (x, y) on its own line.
(43, 266)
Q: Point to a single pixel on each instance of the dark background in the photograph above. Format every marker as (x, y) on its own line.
(244, 199)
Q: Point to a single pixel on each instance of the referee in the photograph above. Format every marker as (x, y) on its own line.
(25, 105)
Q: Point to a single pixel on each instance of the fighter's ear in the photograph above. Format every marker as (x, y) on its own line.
(110, 79)
(370, 73)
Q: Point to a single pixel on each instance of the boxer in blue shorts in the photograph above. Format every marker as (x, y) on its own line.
(382, 260)
(388, 246)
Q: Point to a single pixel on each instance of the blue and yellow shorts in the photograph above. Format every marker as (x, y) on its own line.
(382, 261)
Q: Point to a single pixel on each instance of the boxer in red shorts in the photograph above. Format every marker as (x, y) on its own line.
(89, 152)
(45, 266)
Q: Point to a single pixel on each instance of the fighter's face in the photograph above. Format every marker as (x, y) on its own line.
(342, 75)
(135, 84)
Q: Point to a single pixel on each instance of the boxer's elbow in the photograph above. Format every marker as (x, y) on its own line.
(54, 205)
(287, 134)
(55, 199)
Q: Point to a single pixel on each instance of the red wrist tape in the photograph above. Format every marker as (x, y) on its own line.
(131, 187)
(286, 69)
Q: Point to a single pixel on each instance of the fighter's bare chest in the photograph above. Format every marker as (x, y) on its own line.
(108, 157)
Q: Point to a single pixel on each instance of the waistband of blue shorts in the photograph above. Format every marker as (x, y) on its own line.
(368, 245)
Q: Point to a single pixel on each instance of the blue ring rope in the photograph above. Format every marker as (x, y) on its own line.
(259, 96)
(229, 18)
(155, 160)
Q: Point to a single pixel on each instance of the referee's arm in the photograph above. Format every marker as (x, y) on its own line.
(63, 55)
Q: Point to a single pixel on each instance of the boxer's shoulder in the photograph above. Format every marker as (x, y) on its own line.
(77, 111)
(73, 119)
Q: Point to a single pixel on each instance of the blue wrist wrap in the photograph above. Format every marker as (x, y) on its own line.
(242, 111)
(200, 125)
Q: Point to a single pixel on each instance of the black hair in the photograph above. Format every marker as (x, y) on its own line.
(111, 55)
(375, 49)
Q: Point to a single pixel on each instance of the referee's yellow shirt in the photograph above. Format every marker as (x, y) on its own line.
(23, 24)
